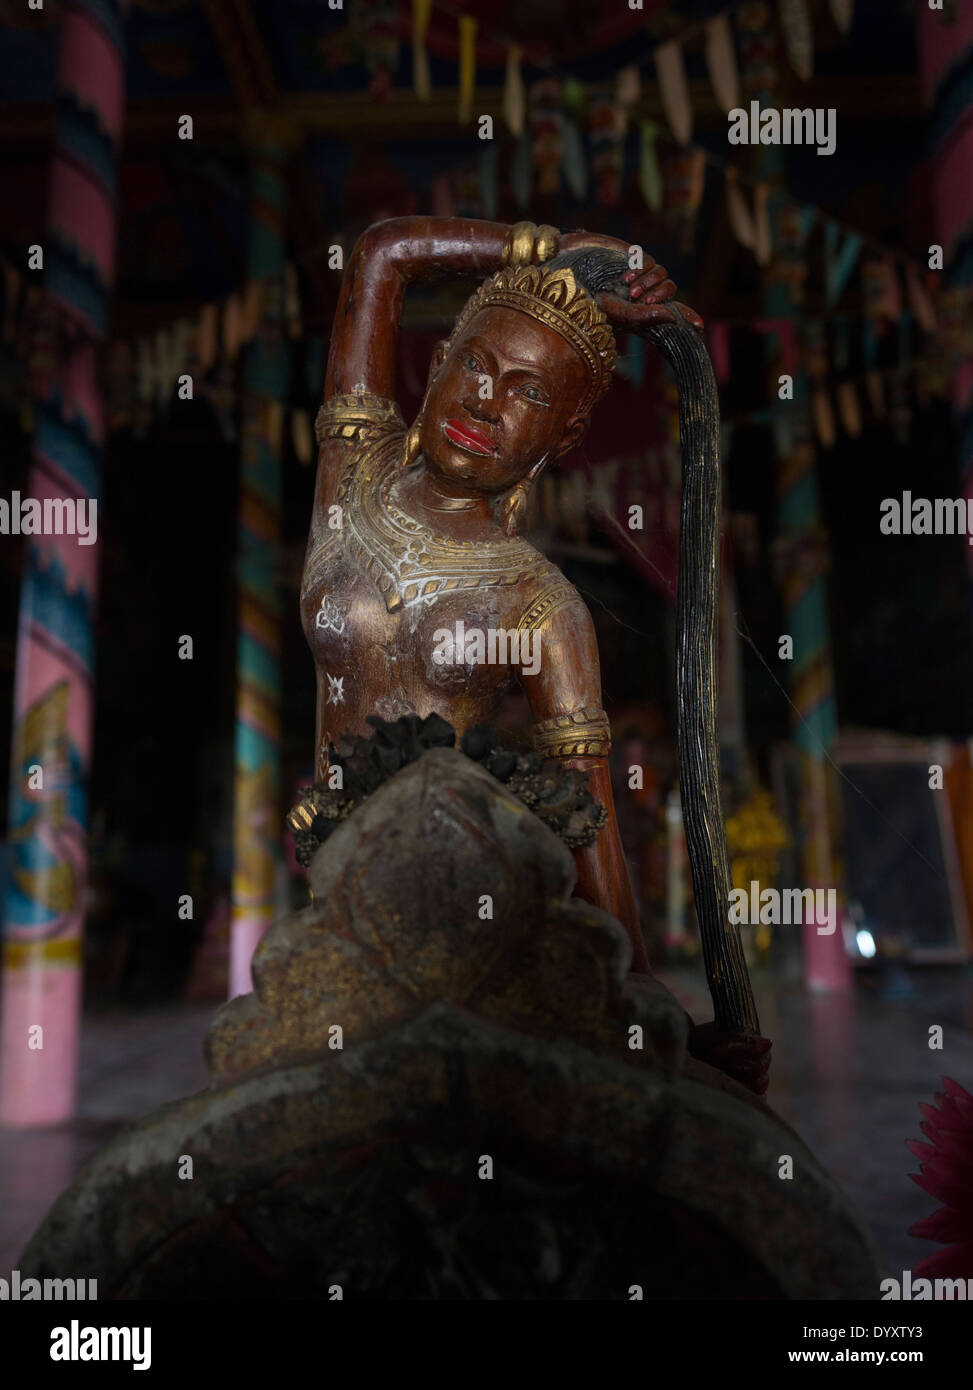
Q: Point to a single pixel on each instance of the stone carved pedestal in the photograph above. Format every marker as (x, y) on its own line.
(484, 1130)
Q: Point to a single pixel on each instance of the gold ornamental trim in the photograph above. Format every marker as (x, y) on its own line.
(343, 416)
(579, 733)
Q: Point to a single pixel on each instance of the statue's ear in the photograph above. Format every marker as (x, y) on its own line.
(438, 358)
(574, 431)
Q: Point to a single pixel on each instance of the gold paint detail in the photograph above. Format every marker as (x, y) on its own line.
(579, 733)
(407, 561)
(559, 594)
(347, 416)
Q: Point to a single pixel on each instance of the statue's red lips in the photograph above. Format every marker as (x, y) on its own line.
(467, 437)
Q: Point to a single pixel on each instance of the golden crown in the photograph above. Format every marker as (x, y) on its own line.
(554, 298)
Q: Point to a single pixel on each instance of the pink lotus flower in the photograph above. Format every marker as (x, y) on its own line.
(947, 1174)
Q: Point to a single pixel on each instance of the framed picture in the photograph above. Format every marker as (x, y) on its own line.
(901, 866)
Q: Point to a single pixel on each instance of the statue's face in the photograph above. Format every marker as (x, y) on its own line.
(505, 397)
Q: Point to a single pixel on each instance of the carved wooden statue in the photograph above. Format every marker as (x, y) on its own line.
(416, 550)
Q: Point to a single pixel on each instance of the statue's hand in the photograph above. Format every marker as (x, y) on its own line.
(742, 1056)
(650, 301)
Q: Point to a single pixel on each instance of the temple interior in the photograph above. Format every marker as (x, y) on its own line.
(184, 184)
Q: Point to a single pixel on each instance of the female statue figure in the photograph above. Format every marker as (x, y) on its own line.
(418, 530)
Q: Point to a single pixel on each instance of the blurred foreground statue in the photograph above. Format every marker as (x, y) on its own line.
(448, 1085)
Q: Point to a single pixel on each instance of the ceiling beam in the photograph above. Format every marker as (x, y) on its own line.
(216, 120)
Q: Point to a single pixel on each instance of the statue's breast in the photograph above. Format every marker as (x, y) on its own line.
(401, 619)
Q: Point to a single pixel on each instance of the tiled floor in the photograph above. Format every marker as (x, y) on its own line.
(848, 1073)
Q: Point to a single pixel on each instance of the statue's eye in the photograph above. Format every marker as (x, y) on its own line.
(533, 394)
(471, 362)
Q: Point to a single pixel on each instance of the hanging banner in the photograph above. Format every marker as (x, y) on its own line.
(514, 101)
(839, 260)
(421, 84)
(467, 66)
(674, 90)
(628, 89)
(795, 21)
(843, 13)
(722, 63)
(650, 174)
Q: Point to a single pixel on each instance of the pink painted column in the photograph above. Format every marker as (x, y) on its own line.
(47, 855)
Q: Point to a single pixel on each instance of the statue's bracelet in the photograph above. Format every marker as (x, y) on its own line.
(527, 244)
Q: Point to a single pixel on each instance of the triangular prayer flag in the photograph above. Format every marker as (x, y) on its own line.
(721, 62)
(843, 12)
(674, 90)
(514, 100)
(798, 36)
